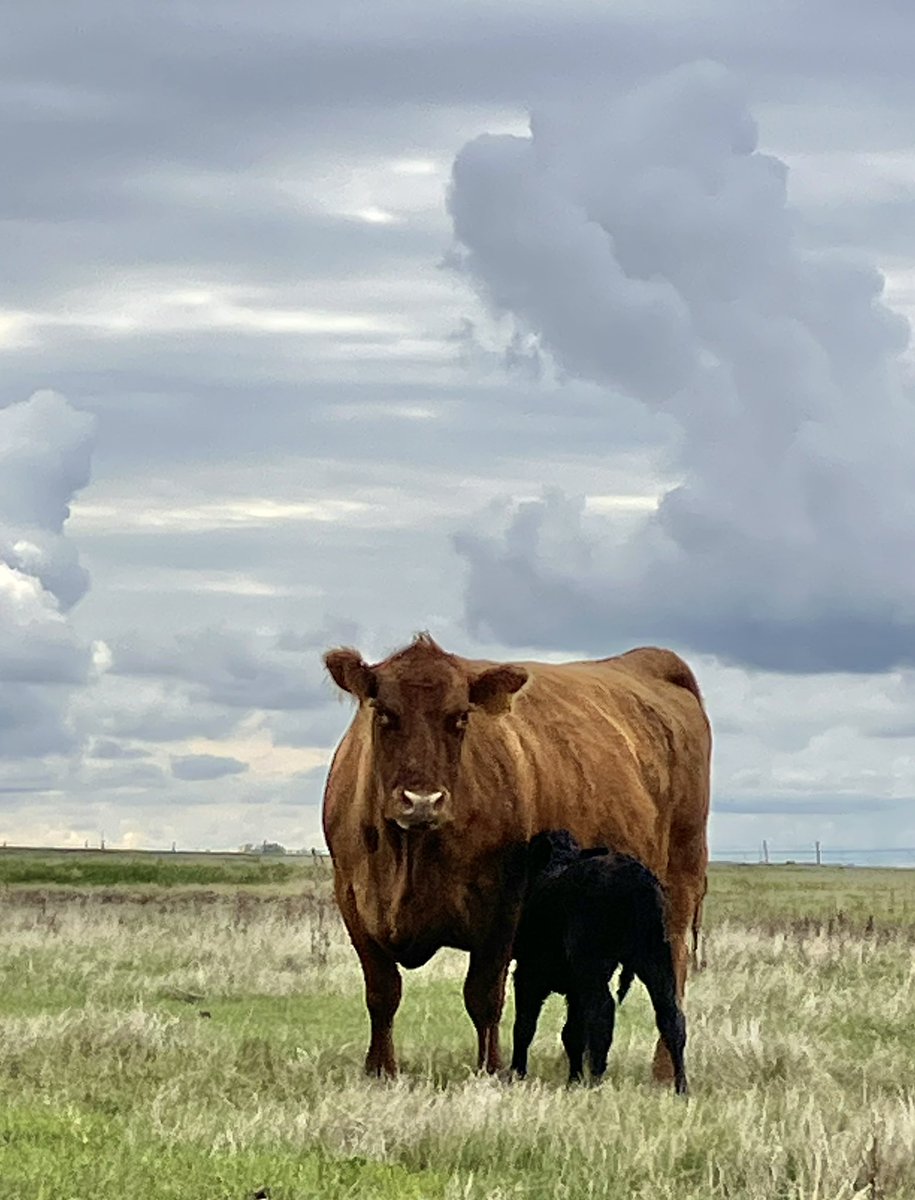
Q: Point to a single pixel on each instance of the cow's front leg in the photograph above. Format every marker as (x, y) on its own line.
(382, 997)
(484, 996)
(383, 989)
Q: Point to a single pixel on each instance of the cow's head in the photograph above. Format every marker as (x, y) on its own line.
(421, 702)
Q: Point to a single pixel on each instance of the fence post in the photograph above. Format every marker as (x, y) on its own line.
(765, 852)
(818, 854)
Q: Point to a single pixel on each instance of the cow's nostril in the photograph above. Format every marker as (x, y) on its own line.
(419, 810)
(421, 800)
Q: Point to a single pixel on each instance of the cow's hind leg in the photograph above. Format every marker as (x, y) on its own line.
(484, 996)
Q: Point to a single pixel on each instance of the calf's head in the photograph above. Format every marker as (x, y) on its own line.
(550, 852)
(421, 702)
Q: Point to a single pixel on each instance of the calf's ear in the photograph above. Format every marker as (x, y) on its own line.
(595, 852)
(492, 690)
(350, 673)
(539, 854)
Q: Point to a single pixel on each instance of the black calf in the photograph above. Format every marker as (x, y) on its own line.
(586, 913)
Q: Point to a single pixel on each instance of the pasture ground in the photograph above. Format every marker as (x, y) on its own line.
(114, 1084)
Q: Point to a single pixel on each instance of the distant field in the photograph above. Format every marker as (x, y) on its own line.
(114, 868)
(114, 1084)
(801, 895)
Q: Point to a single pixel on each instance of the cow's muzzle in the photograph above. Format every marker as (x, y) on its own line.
(419, 810)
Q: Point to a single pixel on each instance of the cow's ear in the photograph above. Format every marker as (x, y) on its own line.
(349, 672)
(493, 689)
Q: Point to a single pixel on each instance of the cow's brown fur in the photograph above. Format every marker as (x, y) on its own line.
(616, 750)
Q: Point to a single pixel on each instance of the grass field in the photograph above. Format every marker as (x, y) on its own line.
(114, 1084)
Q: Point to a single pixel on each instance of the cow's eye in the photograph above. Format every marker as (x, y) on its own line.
(385, 718)
(457, 722)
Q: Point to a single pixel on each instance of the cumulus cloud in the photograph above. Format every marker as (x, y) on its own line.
(648, 247)
(45, 452)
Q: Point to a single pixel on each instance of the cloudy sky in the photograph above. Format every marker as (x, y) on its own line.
(554, 328)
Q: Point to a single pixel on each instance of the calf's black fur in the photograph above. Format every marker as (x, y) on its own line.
(587, 912)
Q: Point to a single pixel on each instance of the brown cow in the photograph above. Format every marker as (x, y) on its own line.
(451, 765)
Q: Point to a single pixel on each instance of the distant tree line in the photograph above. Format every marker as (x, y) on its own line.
(274, 848)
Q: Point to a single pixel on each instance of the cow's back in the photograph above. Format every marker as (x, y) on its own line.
(616, 750)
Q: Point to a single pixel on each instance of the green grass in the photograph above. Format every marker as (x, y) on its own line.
(81, 869)
(113, 1083)
(55, 1155)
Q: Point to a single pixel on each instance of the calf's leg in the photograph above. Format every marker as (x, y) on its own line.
(573, 1037)
(658, 978)
(529, 999)
(599, 1017)
(686, 884)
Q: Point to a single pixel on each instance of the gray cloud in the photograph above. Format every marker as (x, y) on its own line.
(33, 721)
(196, 767)
(150, 710)
(107, 748)
(228, 667)
(124, 777)
(323, 727)
(787, 543)
(801, 804)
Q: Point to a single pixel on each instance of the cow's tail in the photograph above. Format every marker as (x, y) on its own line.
(626, 977)
(697, 927)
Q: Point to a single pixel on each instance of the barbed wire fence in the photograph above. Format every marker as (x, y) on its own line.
(818, 854)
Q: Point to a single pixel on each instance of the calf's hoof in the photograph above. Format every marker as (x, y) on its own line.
(376, 1070)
